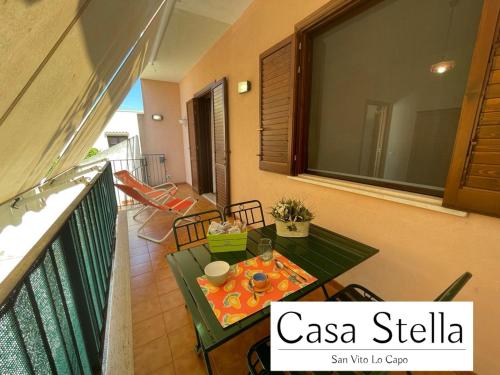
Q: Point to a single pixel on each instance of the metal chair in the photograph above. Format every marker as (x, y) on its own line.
(259, 357)
(174, 206)
(248, 211)
(449, 293)
(358, 293)
(160, 195)
(193, 228)
(259, 362)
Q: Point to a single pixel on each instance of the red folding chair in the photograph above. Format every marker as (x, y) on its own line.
(176, 206)
(153, 192)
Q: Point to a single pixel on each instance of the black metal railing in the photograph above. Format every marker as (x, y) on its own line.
(53, 321)
(149, 169)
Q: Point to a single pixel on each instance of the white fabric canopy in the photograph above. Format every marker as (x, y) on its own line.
(109, 103)
(57, 57)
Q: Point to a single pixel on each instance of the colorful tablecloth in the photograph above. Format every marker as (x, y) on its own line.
(234, 300)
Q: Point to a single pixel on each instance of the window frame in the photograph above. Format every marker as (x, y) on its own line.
(334, 12)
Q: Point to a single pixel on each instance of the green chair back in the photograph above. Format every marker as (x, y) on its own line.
(191, 229)
(250, 212)
(455, 287)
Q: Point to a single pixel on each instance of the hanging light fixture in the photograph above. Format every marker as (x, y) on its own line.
(444, 65)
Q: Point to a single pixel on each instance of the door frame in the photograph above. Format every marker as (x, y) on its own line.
(383, 129)
(199, 148)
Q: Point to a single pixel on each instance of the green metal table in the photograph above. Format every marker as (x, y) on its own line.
(324, 254)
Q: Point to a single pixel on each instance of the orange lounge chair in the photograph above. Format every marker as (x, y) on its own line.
(153, 192)
(176, 206)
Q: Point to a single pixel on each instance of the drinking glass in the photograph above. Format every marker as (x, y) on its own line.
(265, 249)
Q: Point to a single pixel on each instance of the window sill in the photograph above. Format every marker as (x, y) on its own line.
(403, 197)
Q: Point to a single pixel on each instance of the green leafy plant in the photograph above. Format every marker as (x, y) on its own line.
(291, 210)
(92, 152)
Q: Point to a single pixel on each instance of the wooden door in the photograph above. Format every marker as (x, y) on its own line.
(221, 142)
(192, 109)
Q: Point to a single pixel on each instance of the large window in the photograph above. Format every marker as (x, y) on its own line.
(384, 92)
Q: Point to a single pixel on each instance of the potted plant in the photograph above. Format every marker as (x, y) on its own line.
(292, 218)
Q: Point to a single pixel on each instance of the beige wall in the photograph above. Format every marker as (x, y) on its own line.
(421, 251)
(163, 136)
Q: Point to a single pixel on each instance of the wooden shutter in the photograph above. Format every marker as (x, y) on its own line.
(277, 78)
(192, 131)
(221, 142)
(474, 178)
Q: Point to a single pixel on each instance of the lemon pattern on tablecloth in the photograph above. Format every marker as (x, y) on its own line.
(229, 286)
(232, 318)
(232, 300)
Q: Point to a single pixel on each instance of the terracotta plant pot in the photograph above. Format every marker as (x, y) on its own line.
(292, 229)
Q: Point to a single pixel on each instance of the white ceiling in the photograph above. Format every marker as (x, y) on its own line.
(194, 26)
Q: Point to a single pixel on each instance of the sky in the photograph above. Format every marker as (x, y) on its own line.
(133, 100)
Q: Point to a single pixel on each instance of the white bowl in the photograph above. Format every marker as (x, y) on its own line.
(217, 272)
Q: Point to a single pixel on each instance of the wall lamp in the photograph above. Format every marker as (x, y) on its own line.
(157, 117)
(244, 86)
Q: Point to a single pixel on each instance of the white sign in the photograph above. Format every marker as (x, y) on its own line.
(371, 336)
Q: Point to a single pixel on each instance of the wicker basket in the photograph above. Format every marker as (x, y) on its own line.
(221, 243)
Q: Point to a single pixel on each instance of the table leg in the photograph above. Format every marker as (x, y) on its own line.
(207, 362)
(197, 347)
(325, 292)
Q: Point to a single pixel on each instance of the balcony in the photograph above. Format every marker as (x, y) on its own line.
(389, 131)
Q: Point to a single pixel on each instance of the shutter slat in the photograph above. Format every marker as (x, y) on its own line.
(485, 170)
(271, 131)
(483, 182)
(493, 91)
(272, 116)
(276, 73)
(280, 154)
(283, 91)
(275, 108)
(485, 157)
(275, 102)
(278, 86)
(491, 105)
(276, 98)
(495, 76)
(276, 56)
(496, 62)
(278, 66)
(491, 132)
(490, 117)
(280, 123)
(488, 145)
(285, 77)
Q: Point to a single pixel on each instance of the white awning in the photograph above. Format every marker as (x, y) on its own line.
(57, 58)
(109, 103)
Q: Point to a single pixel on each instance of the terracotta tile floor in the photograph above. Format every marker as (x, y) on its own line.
(163, 334)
